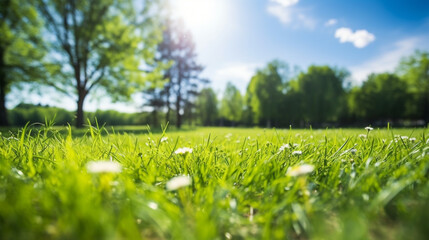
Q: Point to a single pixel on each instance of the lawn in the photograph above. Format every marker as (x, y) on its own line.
(214, 183)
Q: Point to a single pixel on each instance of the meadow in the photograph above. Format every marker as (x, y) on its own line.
(214, 183)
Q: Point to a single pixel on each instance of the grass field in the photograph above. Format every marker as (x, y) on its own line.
(229, 184)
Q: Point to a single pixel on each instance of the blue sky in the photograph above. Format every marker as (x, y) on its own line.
(303, 32)
(235, 37)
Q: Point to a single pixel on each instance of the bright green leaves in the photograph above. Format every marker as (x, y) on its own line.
(232, 104)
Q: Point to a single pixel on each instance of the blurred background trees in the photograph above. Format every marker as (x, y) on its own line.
(21, 48)
(120, 47)
(265, 94)
(321, 94)
(415, 70)
(318, 97)
(181, 88)
(207, 107)
(98, 44)
(231, 105)
(382, 98)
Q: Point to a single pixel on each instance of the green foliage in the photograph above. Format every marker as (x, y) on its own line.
(322, 94)
(265, 94)
(232, 104)
(177, 51)
(21, 48)
(100, 44)
(381, 97)
(115, 118)
(20, 44)
(207, 107)
(245, 184)
(415, 70)
(29, 113)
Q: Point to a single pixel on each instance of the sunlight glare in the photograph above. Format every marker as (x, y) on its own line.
(200, 13)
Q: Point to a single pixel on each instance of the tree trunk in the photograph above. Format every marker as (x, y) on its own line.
(167, 103)
(269, 123)
(79, 112)
(426, 107)
(155, 118)
(3, 110)
(179, 97)
(3, 85)
(178, 115)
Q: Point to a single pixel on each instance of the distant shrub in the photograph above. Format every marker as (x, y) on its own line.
(25, 112)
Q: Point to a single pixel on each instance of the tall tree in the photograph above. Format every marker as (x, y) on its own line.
(232, 104)
(99, 44)
(265, 94)
(415, 70)
(322, 93)
(382, 97)
(165, 54)
(207, 107)
(182, 76)
(21, 48)
(154, 98)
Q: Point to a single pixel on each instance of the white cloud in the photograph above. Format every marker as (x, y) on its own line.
(283, 14)
(387, 61)
(360, 38)
(331, 22)
(286, 3)
(289, 15)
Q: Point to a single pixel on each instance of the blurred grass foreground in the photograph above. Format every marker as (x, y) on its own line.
(214, 183)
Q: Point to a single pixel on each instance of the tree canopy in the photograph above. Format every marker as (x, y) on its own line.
(265, 93)
(415, 70)
(322, 92)
(21, 48)
(381, 97)
(207, 108)
(98, 44)
(232, 104)
(177, 50)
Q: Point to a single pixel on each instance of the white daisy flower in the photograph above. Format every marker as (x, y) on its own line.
(362, 135)
(404, 137)
(300, 170)
(369, 129)
(153, 205)
(283, 147)
(103, 167)
(178, 182)
(183, 151)
(233, 203)
(297, 153)
(412, 139)
(164, 139)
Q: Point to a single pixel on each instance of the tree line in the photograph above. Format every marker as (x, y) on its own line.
(121, 47)
(324, 96)
(29, 113)
(320, 96)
